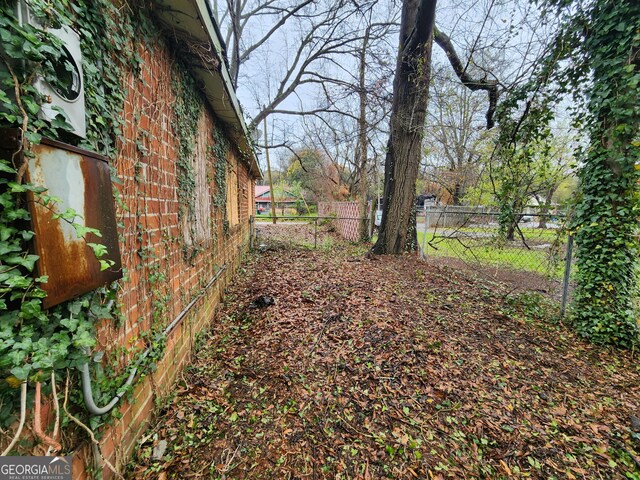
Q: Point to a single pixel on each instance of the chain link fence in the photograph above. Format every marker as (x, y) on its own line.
(537, 256)
(321, 232)
(533, 254)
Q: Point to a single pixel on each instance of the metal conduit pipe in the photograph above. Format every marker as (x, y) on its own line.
(87, 390)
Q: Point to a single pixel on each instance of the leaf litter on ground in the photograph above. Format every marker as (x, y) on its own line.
(389, 367)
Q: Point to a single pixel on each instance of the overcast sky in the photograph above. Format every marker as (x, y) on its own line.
(503, 36)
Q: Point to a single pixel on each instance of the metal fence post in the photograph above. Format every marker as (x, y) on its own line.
(372, 219)
(423, 252)
(252, 227)
(315, 233)
(567, 274)
(257, 235)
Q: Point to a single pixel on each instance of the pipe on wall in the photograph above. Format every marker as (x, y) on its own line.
(87, 390)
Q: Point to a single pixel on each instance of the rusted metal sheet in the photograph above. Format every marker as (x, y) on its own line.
(81, 181)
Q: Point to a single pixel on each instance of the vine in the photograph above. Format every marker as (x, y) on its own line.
(596, 59)
(35, 343)
(38, 346)
(219, 151)
(187, 111)
(606, 219)
(187, 114)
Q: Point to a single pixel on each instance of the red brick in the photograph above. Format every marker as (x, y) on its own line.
(154, 205)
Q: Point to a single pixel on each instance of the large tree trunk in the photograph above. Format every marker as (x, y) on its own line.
(410, 96)
(605, 307)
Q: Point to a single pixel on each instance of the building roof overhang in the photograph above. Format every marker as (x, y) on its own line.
(197, 33)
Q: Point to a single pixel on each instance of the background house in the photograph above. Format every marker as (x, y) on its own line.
(285, 200)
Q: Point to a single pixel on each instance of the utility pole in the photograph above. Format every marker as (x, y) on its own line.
(363, 184)
(272, 193)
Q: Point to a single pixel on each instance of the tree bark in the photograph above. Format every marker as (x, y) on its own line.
(272, 192)
(234, 14)
(404, 148)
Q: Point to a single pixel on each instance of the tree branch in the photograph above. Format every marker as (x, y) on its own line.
(273, 29)
(491, 86)
(316, 112)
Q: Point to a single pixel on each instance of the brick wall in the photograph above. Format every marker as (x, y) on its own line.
(163, 274)
(346, 213)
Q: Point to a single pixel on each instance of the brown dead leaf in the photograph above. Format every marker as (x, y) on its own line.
(387, 389)
(505, 467)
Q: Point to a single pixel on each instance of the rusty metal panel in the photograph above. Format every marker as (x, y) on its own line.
(80, 180)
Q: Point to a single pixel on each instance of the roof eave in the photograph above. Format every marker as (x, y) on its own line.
(192, 19)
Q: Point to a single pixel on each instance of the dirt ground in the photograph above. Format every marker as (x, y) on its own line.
(520, 281)
(296, 234)
(390, 367)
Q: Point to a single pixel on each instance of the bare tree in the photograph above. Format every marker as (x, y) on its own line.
(361, 152)
(238, 16)
(348, 138)
(301, 44)
(453, 135)
(367, 94)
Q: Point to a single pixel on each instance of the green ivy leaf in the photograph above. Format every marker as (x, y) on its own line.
(31, 309)
(4, 167)
(21, 372)
(70, 323)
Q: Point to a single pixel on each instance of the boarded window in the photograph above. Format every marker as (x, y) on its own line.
(232, 192)
(196, 226)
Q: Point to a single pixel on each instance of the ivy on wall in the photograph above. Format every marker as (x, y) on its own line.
(219, 151)
(33, 343)
(187, 113)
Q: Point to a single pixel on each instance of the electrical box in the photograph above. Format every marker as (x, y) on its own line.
(81, 181)
(68, 93)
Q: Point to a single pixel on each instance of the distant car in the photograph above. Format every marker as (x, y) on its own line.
(425, 200)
